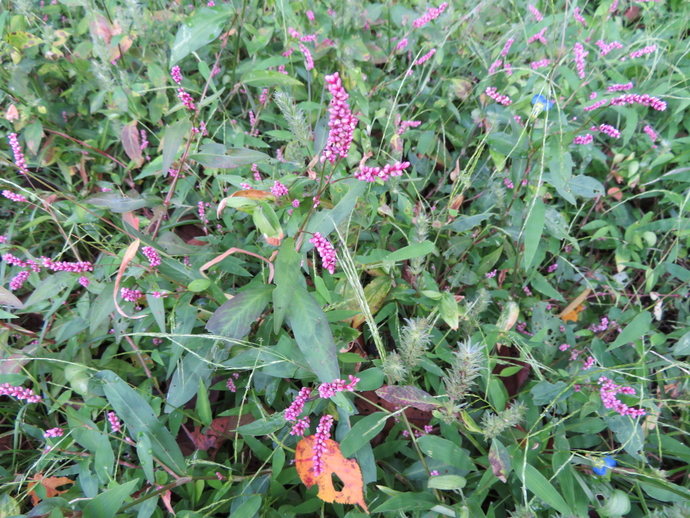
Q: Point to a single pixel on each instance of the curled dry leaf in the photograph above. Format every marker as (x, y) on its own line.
(334, 463)
(50, 484)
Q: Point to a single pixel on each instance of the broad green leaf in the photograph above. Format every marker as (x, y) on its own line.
(200, 29)
(185, 381)
(447, 482)
(313, 335)
(406, 502)
(107, 504)
(639, 326)
(628, 432)
(542, 285)
(405, 253)
(287, 275)
(362, 432)
(268, 78)
(217, 156)
(235, 318)
(534, 227)
(157, 307)
(203, 405)
(139, 417)
(448, 308)
(172, 142)
(585, 186)
(408, 396)
(445, 451)
(248, 508)
(465, 223)
(145, 454)
(33, 135)
(615, 506)
(545, 392)
(50, 287)
(267, 221)
(561, 171)
(264, 426)
(682, 347)
(116, 203)
(542, 488)
(375, 294)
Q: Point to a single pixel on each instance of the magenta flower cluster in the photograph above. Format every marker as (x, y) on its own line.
(84, 281)
(644, 100)
(587, 138)
(609, 130)
(131, 295)
(535, 12)
(608, 391)
(646, 50)
(54, 432)
(538, 37)
(499, 98)
(278, 190)
(403, 125)
(578, 17)
(620, 87)
(323, 433)
(506, 47)
(115, 424)
(495, 66)
(327, 390)
(308, 60)
(152, 255)
(650, 131)
(401, 44)
(19, 159)
(580, 55)
(598, 104)
(295, 409)
(14, 196)
(341, 122)
(186, 99)
(325, 250)
(426, 57)
(20, 393)
(300, 426)
(431, 14)
(536, 65)
(65, 266)
(176, 74)
(608, 47)
(18, 280)
(371, 174)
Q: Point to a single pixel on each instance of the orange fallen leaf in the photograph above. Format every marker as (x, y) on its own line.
(347, 470)
(574, 314)
(50, 484)
(571, 312)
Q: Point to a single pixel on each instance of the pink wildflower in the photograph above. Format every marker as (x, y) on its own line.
(131, 295)
(403, 125)
(176, 74)
(20, 393)
(506, 47)
(491, 274)
(401, 44)
(588, 363)
(278, 190)
(580, 55)
(264, 97)
(552, 268)
(598, 104)
(587, 138)
(115, 425)
(608, 391)
(508, 183)
(323, 433)
(508, 69)
(152, 255)
(644, 100)
(564, 347)
(300, 426)
(308, 60)
(537, 15)
(255, 170)
(19, 159)
(538, 37)
(325, 250)
(230, 385)
(296, 407)
(607, 47)
(310, 16)
(620, 87)
(18, 280)
(578, 17)
(14, 196)
(341, 123)
(293, 33)
(295, 203)
(434, 473)
(592, 96)
(495, 66)
(54, 432)
(431, 14)
(426, 57)
(159, 295)
(84, 281)
(64, 266)
(501, 99)
(371, 174)
(650, 131)
(540, 64)
(646, 50)
(186, 99)
(609, 130)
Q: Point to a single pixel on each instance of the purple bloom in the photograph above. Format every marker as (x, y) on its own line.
(495, 66)
(176, 74)
(608, 47)
(186, 99)
(537, 15)
(152, 255)
(323, 433)
(650, 131)
(19, 159)
(540, 64)
(506, 47)
(501, 99)
(426, 57)
(644, 100)
(609, 130)
(308, 60)
(310, 16)
(598, 104)
(538, 36)
(647, 50)
(431, 14)
(580, 55)
(341, 123)
(14, 196)
(115, 424)
(296, 407)
(587, 138)
(84, 281)
(401, 44)
(54, 432)
(578, 17)
(300, 426)
(371, 174)
(131, 295)
(278, 190)
(20, 393)
(325, 250)
(620, 87)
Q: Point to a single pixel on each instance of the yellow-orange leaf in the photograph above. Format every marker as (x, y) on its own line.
(573, 314)
(50, 484)
(253, 194)
(347, 470)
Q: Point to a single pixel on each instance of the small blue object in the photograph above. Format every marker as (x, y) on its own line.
(542, 102)
(603, 465)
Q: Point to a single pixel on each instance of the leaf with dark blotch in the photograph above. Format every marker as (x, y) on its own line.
(408, 396)
(234, 318)
(500, 460)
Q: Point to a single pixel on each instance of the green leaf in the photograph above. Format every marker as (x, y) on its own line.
(542, 488)
(264, 426)
(157, 307)
(313, 335)
(499, 458)
(639, 326)
(408, 396)
(234, 318)
(248, 508)
(200, 29)
(139, 417)
(203, 405)
(407, 502)
(51, 287)
(405, 253)
(534, 227)
(107, 504)
(465, 223)
(145, 454)
(172, 142)
(217, 156)
(185, 381)
(445, 451)
(33, 135)
(586, 186)
(362, 432)
(116, 203)
(542, 285)
(267, 221)
(561, 171)
(199, 285)
(448, 308)
(268, 78)
(287, 275)
(447, 482)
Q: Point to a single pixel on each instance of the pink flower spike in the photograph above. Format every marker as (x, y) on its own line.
(84, 281)
(18, 198)
(326, 252)
(295, 409)
(308, 60)
(54, 432)
(152, 255)
(115, 424)
(587, 138)
(609, 130)
(580, 55)
(300, 426)
(644, 100)
(176, 74)
(278, 190)
(187, 100)
(431, 14)
(495, 66)
(538, 37)
(310, 16)
(650, 131)
(401, 45)
(535, 12)
(341, 122)
(500, 99)
(323, 433)
(19, 159)
(506, 47)
(426, 57)
(578, 17)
